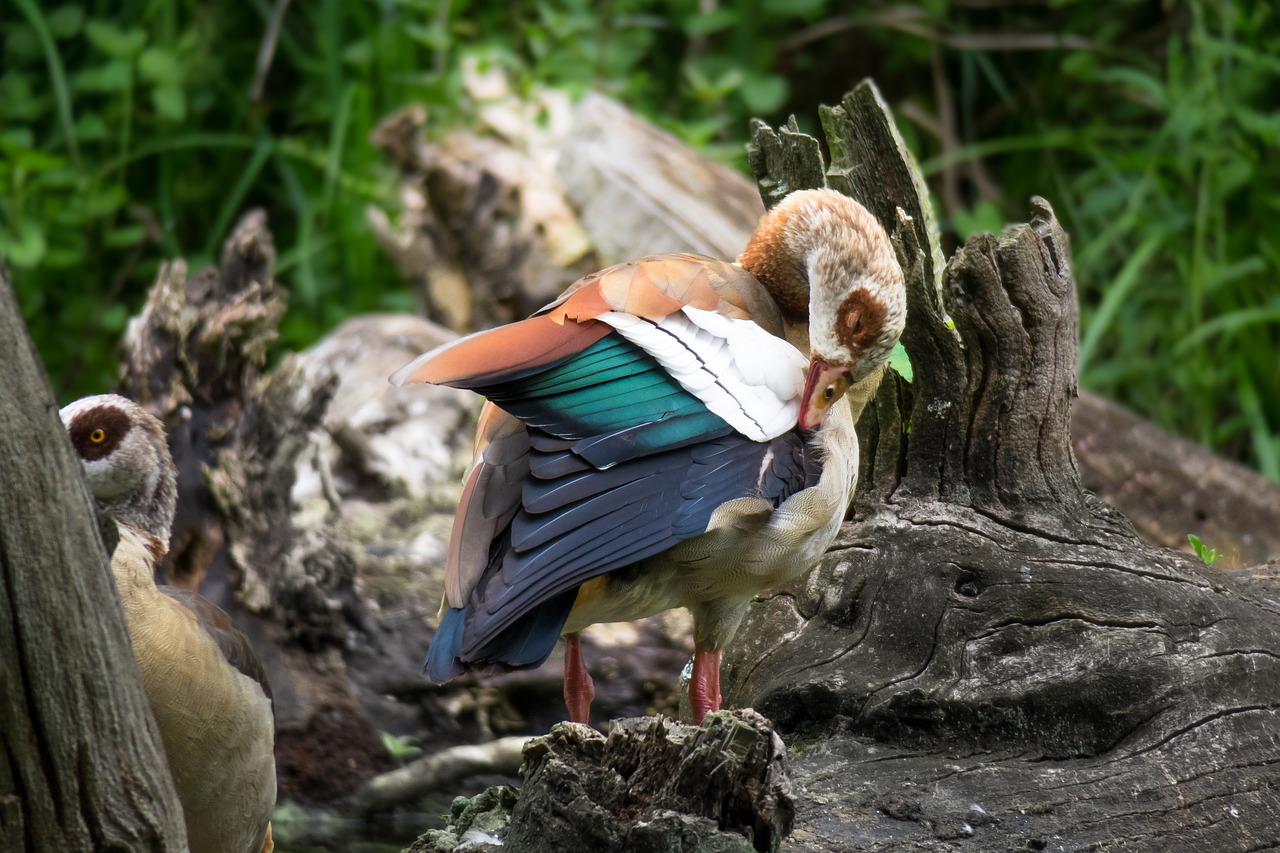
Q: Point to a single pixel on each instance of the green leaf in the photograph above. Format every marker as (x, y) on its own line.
(26, 247)
(1263, 124)
(114, 318)
(115, 76)
(157, 65)
(31, 159)
(21, 44)
(399, 746)
(900, 362)
(113, 41)
(1204, 552)
(17, 137)
(170, 102)
(90, 127)
(104, 201)
(65, 21)
(983, 218)
(19, 101)
(63, 178)
(705, 23)
(126, 235)
(358, 53)
(764, 93)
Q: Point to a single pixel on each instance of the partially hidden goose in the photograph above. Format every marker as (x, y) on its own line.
(652, 441)
(207, 690)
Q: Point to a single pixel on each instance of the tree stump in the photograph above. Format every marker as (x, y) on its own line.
(989, 652)
(83, 768)
(650, 785)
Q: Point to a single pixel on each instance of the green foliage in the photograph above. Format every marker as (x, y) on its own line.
(128, 134)
(900, 362)
(400, 747)
(1203, 551)
(1155, 141)
(1180, 274)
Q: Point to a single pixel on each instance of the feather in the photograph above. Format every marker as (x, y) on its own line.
(697, 349)
(504, 353)
(490, 497)
(641, 448)
(588, 524)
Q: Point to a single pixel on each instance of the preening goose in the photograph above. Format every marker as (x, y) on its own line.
(652, 441)
(207, 690)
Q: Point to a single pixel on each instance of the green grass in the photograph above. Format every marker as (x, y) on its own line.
(128, 135)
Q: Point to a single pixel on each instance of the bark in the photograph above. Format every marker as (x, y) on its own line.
(650, 785)
(1169, 486)
(990, 652)
(81, 763)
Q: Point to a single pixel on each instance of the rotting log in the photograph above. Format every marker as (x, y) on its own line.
(81, 763)
(989, 652)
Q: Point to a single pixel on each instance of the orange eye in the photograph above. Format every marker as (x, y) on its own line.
(98, 436)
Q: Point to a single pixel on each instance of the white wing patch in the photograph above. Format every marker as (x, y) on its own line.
(741, 372)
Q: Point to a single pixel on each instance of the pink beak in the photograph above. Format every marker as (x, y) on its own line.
(825, 384)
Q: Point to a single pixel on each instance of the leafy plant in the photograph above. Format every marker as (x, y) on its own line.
(400, 747)
(128, 133)
(1204, 552)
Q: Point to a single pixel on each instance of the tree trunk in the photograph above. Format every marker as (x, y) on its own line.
(82, 765)
(990, 652)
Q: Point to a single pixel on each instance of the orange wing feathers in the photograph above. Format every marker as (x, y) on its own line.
(652, 288)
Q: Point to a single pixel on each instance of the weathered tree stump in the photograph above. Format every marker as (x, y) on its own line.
(83, 768)
(989, 652)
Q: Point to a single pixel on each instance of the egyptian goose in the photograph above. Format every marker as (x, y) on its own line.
(207, 690)
(652, 442)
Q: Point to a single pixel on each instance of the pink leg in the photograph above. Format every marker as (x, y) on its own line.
(579, 689)
(704, 687)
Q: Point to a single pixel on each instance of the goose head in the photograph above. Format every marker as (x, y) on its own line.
(828, 262)
(125, 457)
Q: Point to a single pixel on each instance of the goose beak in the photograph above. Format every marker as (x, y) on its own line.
(825, 384)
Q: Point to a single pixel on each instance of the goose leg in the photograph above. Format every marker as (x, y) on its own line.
(579, 689)
(704, 686)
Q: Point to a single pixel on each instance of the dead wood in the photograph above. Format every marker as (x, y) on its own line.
(639, 190)
(484, 235)
(991, 653)
(83, 767)
(1170, 487)
(650, 785)
(438, 771)
(195, 357)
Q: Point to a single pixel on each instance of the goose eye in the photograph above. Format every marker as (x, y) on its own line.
(98, 436)
(829, 392)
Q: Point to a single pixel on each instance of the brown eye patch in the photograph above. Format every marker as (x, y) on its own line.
(98, 431)
(860, 320)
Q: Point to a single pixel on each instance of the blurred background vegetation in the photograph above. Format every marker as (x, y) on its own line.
(137, 130)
